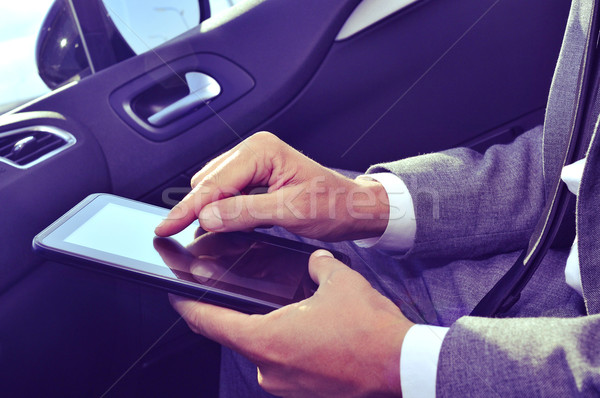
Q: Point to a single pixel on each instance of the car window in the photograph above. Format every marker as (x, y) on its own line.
(20, 22)
(143, 24)
(149, 23)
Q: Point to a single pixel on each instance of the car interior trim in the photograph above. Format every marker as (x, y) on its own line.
(369, 12)
(68, 138)
(228, 15)
(203, 88)
(18, 110)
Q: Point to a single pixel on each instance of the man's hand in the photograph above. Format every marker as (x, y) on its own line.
(302, 196)
(344, 341)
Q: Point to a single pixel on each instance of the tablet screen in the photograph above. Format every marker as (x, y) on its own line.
(125, 232)
(121, 232)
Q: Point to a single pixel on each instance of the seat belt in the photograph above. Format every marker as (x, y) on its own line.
(507, 291)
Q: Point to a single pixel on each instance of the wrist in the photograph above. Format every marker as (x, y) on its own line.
(368, 208)
(390, 384)
(397, 385)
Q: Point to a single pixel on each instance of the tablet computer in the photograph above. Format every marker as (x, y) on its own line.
(249, 272)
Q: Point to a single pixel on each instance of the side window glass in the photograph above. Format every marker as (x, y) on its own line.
(19, 26)
(149, 23)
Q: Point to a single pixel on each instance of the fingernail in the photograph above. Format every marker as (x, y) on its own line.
(210, 218)
(322, 253)
(159, 226)
(174, 299)
(176, 212)
(200, 273)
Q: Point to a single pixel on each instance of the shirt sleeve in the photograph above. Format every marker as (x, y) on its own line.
(399, 234)
(419, 360)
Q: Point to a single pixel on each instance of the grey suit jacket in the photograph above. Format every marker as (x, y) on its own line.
(469, 205)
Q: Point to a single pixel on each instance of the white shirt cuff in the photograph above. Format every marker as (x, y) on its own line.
(419, 359)
(399, 234)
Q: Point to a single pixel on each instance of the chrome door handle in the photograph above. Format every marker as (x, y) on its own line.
(202, 88)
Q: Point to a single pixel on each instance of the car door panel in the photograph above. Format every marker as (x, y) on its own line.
(68, 332)
(279, 73)
(420, 87)
(443, 111)
(138, 100)
(32, 197)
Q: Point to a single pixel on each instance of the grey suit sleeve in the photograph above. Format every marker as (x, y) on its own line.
(468, 204)
(520, 357)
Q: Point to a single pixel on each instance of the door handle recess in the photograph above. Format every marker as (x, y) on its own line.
(202, 89)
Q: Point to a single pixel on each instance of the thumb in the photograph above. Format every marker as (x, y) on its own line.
(322, 264)
(239, 213)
